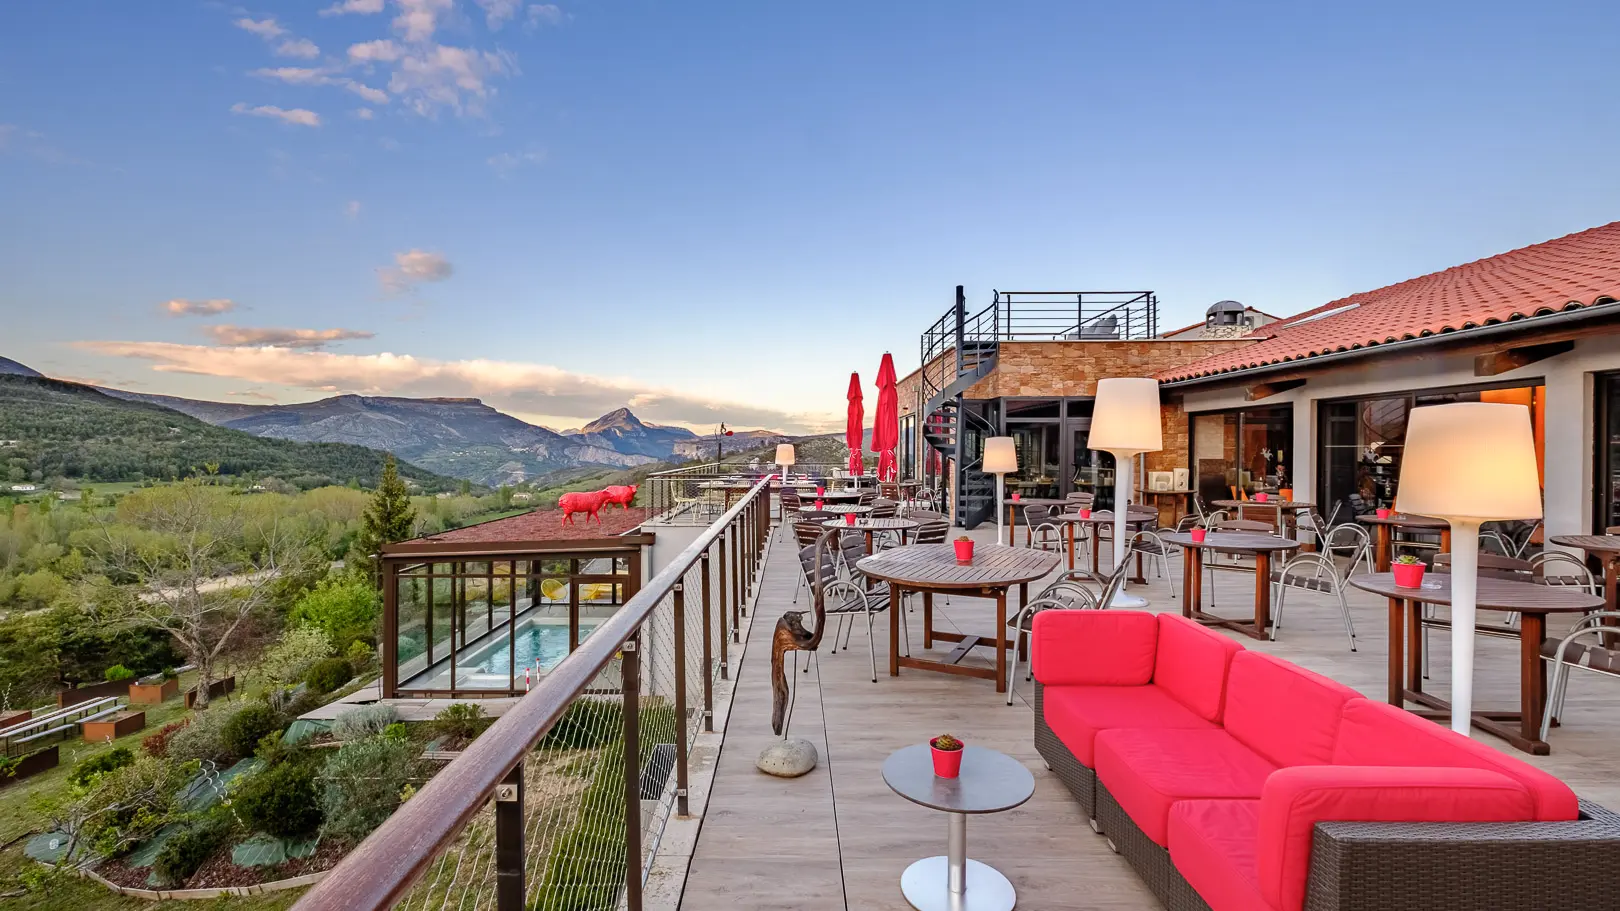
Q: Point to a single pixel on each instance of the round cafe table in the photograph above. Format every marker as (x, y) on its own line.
(1532, 601)
(841, 495)
(1260, 546)
(1136, 519)
(989, 782)
(1014, 510)
(1276, 504)
(1385, 529)
(871, 526)
(932, 568)
(1605, 548)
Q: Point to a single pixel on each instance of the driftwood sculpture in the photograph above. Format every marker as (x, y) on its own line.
(790, 635)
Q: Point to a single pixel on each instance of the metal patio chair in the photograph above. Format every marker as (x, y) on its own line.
(1067, 592)
(1315, 572)
(844, 597)
(1569, 652)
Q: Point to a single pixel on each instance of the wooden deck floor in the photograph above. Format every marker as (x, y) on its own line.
(838, 838)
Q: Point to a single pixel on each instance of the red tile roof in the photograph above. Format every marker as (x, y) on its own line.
(544, 525)
(1578, 270)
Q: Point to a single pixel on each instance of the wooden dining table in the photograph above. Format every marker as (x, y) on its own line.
(1137, 518)
(1532, 601)
(1014, 510)
(930, 569)
(871, 526)
(841, 495)
(1274, 504)
(1178, 499)
(1257, 544)
(1607, 549)
(1384, 532)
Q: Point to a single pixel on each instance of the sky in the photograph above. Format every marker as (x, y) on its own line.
(716, 211)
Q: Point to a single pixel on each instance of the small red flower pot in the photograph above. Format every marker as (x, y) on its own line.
(1017, 497)
(821, 491)
(947, 763)
(1261, 497)
(820, 505)
(1382, 512)
(849, 518)
(1198, 535)
(1407, 575)
(1085, 513)
(964, 551)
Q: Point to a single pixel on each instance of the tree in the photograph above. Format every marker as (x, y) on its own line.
(345, 609)
(389, 517)
(203, 561)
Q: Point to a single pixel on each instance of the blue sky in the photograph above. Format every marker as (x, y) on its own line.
(715, 211)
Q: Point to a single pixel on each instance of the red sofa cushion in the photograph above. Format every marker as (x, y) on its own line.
(1147, 770)
(1378, 734)
(1191, 664)
(1282, 711)
(1077, 714)
(1296, 799)
(1215, 846)
(1093, 647)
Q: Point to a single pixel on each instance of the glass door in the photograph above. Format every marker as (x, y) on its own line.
(1090, 471)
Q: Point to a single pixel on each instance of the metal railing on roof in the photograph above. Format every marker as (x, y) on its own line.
(696, 494)
(558, 804)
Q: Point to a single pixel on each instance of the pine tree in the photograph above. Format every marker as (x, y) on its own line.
(388, 518)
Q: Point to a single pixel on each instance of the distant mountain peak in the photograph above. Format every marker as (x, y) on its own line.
(621, 419)
(7, 365)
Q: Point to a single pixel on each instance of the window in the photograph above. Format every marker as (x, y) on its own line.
(1240, 453)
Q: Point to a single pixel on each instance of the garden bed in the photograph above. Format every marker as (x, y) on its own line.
(154, 693)
(32, 764)
(109, 729)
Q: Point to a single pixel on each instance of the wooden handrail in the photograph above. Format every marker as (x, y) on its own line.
(379, 872)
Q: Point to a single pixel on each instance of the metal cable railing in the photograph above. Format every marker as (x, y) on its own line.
(561, 802)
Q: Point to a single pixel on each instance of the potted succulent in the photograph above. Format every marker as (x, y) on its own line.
(1199, 532)
(1262, 497)
(1382, 512)
(964, 549)
(1017, 496)
(1408, 571)
(947, 752)
(1085, 512)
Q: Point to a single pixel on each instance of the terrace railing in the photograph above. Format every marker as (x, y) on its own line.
(561, 802)
(697, 494)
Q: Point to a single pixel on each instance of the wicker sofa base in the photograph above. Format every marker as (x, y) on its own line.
(1361, 866)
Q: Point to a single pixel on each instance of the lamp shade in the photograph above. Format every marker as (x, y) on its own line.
(784, 453)
(999, 456)
(1471, 461)
(1125, 416)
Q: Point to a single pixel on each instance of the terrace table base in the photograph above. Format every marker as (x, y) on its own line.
(965, 643)
(926, 883)
(1192, 595)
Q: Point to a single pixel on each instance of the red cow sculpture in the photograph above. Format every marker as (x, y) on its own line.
(588, 503)
(621, 495)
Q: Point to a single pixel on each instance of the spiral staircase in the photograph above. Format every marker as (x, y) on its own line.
(958, 352)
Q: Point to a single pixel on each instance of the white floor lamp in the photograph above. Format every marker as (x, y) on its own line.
(1000, 458)
(1125, 422)
(1468, 463)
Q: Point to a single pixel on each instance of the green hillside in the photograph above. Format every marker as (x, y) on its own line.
(62, 429)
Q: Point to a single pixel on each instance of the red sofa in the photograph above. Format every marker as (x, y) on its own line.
(1236, 781)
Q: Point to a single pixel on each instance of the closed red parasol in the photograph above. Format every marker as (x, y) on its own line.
(886, 423)
(855, 429)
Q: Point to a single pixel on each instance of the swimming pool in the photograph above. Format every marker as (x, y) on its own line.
(542, 641)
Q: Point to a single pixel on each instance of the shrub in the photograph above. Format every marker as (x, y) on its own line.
(346, 609)
(461, 720)
(242, 732)
(364, 721)
(360, 654)
(118, 672)
(203, 737)
(280, 801)
(96, 766)
(157, 744)
(327, 675)
(191, 847)
(363, 784)
(300, 648)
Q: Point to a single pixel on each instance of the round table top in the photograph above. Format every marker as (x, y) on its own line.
(834, 509)
(810, 494)
(934, 566)
(1177, 491)
(1136, 516)
(1232, 542)
(1035, 501)
(1491, 594)
(1404, 520)
(1270, 503)
(990, 781)
(876, 524)
(1602, 544)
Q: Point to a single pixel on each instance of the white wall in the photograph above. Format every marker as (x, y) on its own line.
(1570, 414)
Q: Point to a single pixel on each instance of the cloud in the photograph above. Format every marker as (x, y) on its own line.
(297, 116)
(265, 28)
(507, 162)
(412, 268)
(498, 12)
(544, 14)
(380, 51)
(352, 209)
(364, 113)
(438, 76)
(375, 96)
(212, 307)
(310, 339)
(512, 386)
(293, 75)
(419, 19)
(362, 7)
(298, 47)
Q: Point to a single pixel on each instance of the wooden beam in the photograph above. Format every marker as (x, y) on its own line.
(1271, 387)
(1495, 363)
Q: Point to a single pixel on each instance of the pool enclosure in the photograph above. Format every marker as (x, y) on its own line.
(468, 619)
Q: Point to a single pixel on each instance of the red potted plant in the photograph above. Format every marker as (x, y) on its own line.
(1085, 512)
(964, 549)
(1408, 571)
(1382, 512)
(849, 518)
(1261, 497)
(1199, 532)
(947, 752)
(1016, 496)
(820, 505)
